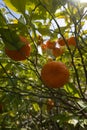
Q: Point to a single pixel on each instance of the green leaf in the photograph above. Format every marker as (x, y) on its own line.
(44, 30)
(52, 5)
(62, 118)
(12, 114)
(10, 38)
(2, 19)
(73, 121)
(31, 4)
(36, 107)
(82, 104)
(16, 5)
(70, 88)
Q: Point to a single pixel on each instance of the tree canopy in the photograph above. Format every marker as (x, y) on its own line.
(25, 100)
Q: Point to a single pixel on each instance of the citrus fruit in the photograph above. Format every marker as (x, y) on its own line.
(57, 52)
(61, 42)
(50, 44)
(19, 54)
(54, 74)
(23, 39)
(72, 41)
(43, 47)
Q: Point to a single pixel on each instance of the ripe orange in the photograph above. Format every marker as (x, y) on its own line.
(44, 47)
(54, 74)
(23, 39)
(50, 44)
(20, 54)
(57, 52)
(50, 104)
(72, 41)
(61, 42)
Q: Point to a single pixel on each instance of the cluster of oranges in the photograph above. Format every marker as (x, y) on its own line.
(54, 47)
(70, 41)
(24, 51)
(53, 74)
(57, 47)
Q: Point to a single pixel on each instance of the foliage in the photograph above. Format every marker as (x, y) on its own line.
(22, 93)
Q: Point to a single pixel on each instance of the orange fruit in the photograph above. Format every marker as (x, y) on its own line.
(50, 104)
(57, 52)
(23, 39)
(72, 41)
(61, 42)
(54, 74)
(50, 44)
(43, 47)
(20, 54)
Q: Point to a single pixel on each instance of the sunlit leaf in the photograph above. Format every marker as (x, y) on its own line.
(2, 19)
(36, 107)
(73, 121)
(12, 114)
(17, 6)
(71, 89)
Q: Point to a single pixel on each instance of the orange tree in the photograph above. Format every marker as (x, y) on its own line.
(23, 95)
